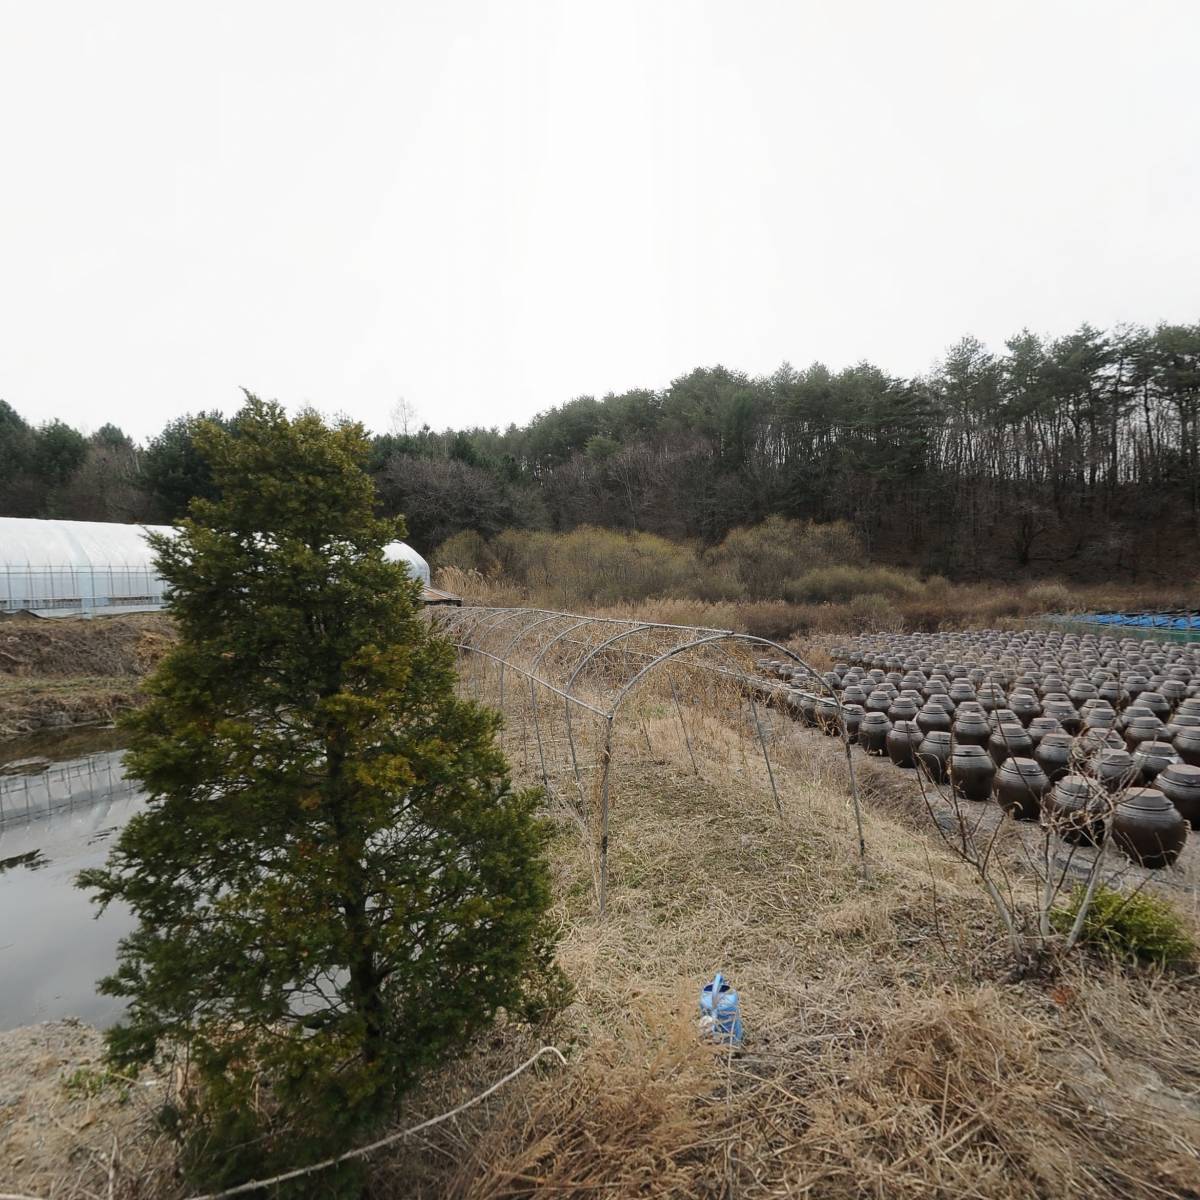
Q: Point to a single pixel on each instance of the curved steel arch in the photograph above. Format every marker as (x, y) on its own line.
(674, 652)
(471, 629)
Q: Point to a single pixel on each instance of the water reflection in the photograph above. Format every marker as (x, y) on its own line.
(52, 946)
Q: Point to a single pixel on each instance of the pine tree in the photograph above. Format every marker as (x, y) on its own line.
(335, 884)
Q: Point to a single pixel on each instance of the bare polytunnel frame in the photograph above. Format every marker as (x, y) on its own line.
(524, 641)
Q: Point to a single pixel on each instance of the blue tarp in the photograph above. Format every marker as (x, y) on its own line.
(1142, 620)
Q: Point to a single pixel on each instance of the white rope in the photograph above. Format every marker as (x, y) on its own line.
(362, 1151)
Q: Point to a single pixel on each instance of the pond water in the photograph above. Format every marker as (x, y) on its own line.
(62, 801)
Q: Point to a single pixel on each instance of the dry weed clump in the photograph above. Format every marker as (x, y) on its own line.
(962, 1094)
(637, 1117)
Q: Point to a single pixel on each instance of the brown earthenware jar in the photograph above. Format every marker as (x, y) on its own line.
(933, 716)
(1113, 769)
(1074, 812)
(902, 742)
(933, 755)
(1064, 712)
(903, 708)
(828, 719)
(1100, 718)
(1142, 729)
(872, 732)
(1025, 707)
(1053, 755)
(1019, 787)
(971, 771)
(1157, 703)
(1093, 741)
(1180, 783)
(1040, 726)
(852, 715)
(1187, 746)
(1152, 757)
(1149, 828)
(1010, 741)
(971, 729)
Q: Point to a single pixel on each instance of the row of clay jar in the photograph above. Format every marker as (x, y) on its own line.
(1021, 713)
(1070, 781)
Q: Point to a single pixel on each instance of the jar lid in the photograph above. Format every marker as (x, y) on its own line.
(1183, 774)
(1147, 799)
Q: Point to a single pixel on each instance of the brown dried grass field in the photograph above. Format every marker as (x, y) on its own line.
(888, 1053)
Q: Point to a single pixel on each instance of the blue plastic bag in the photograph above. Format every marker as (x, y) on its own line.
(721, 1011)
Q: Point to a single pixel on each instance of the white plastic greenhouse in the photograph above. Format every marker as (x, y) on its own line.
(65, 568)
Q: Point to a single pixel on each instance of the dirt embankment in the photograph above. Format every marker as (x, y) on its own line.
(70, 671)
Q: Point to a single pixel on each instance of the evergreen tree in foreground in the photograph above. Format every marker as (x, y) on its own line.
(334, 882)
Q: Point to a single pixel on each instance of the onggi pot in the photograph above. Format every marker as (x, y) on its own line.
(1019, 787)
(1072, 810)
(971, 772)
(852, 715)
(1180, 783)
(1053, 755)
(933, 716)
(872, 732)
(902, 743)
(1152, 757)
(1187, 746)
(1010, 741)
(971, 729)
(933, 755)
(1149, 828)
(1113, 769)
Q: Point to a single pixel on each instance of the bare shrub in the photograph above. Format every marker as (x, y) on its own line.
(843, 583)
(1051, 596)
(759, 557)
(467, 551)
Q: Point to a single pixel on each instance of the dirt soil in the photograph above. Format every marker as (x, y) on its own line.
(70, 671)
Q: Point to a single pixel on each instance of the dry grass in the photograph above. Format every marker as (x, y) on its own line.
(118, 647)
(885, 1056)
(932, 605)
(29, 705)
(71, 671)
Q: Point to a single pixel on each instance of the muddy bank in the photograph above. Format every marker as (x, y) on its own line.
(55, 674)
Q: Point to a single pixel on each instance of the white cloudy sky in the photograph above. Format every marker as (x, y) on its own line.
(489, 208)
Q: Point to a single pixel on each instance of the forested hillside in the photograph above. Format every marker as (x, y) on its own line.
(1078, 455)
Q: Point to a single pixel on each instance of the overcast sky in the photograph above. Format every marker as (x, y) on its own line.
(490, 208)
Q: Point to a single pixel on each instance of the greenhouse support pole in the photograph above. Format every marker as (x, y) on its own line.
(605, 772)
(683, 725)
(537, 729)
(762, 741)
